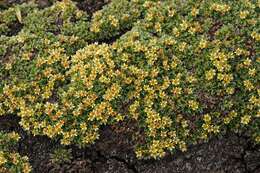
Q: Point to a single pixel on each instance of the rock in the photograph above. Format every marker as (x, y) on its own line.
(252, 159)
(112, 166)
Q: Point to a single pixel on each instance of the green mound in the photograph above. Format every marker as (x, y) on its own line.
(183, 70)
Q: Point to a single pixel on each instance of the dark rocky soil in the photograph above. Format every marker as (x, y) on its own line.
(113, 153)
(91, 6)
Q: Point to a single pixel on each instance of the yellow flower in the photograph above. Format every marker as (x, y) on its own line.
(176, 81)
(183, 146)
(171, 12)
(133, 108)
(254, 100)
(166, 83)
(182, 46)
(230, 90)
(79, 14)
(119, 117)
(245, 119)
(222, 8)
(95, 27)
(243, 14)
(175, 62)
(216, 129)
(206, 127)
(194, 11)
(252, 72)
(90, 137)
(227, 78)
(191, 79)
(113, 20)
(203, 44)
(3, 160)
(248, 85)
(139, 153)
(188, 90)
(158, 27)
(210, 74)
(15, 136)
(232, 114)
(177, 91)
(184, 124)
(170, 41)
(257, 139)
(153, 82)
(207, 118)
(184, 25)
(65, 63)
(156, 149)
(193, 104)
(227, 120)
(26, 166)
(238, 51)
(204, 135)
(8, 66)
(176, 32)
(112, 92)
(166, 65)
(163, 104)
(247, 62)
(255, 36)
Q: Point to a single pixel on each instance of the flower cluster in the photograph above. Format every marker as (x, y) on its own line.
(118, 16)
(184, 71)
(195, 85)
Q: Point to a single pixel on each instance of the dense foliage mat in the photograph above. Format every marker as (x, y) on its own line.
(183, 70)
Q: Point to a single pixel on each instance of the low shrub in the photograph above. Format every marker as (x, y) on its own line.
(185, 71)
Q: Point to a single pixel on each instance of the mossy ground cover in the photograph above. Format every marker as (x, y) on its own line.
(183, 70)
